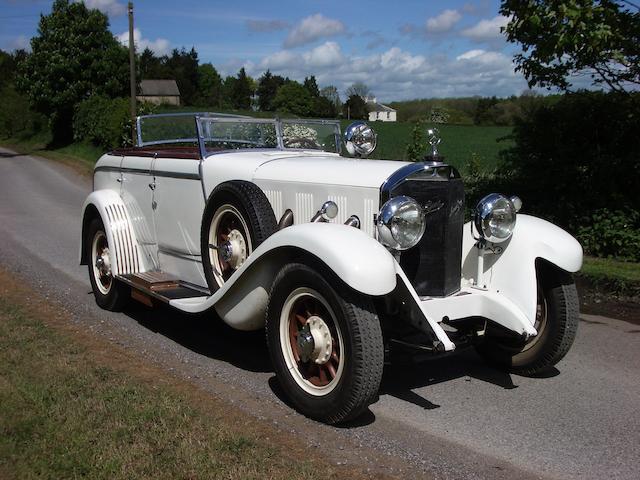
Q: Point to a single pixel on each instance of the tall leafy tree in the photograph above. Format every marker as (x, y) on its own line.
(268, 85)
(183, 67)
(294, 98)
(565, 38)
(209, 86)
(74, 55)
(242, 91)
(312, 86)
(355, 108)
(152, 67)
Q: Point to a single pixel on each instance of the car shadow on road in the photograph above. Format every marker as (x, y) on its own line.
(401, 379)
(206, 334)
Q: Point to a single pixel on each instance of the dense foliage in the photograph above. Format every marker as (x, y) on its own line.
(73, 56)
(577, 162)
(612, 233)
(560, 39)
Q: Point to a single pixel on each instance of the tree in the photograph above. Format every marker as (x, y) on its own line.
(330, 92)
(152, 67)
(241, 91)
(565, 38)
(209, 86)
(359, 89)
(73, 56)
(182, 66)
(355, 108)
(268, 86)
(293, 98)
(312, 86)
(323, 108)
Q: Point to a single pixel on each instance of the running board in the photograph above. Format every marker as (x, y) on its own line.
(148, 286)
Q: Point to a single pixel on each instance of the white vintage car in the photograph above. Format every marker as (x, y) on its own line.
(342, 260)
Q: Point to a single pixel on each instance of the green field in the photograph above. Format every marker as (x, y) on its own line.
(460, 143)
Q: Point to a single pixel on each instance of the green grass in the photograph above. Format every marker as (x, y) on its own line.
(81, 155)
(621, 278)
(67, 414)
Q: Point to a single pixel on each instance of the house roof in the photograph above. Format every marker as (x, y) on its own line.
(157, 88)
(378, 107)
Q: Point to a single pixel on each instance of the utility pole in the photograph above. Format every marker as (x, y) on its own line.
(132, 74)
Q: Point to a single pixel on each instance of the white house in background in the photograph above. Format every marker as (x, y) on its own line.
(159, 92)
(380, 112)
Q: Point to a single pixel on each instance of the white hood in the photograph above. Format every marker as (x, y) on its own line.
(327, 169)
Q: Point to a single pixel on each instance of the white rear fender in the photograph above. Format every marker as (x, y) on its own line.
(512, 273)
(123, 245)
(353, 256)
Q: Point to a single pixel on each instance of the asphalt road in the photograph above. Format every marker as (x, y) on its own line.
(449, 418)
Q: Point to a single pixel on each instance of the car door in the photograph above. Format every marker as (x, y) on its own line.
(178, 202)
(137, 195)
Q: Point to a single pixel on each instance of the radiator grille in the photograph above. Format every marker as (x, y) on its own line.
(434, 265)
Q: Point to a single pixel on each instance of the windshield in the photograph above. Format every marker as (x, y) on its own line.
(215, 132)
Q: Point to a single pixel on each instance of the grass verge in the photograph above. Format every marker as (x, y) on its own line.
(73, 406)
(618, 278)
(79, 156)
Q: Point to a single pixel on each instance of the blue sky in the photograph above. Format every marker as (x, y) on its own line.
(401, 50)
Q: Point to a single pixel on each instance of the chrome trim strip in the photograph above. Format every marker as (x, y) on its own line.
(401, 175)
(174, 252)
(144, 171)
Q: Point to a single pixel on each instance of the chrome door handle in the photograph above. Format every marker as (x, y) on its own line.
(152, 185)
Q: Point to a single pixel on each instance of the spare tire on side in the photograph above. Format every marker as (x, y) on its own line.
(238, 217)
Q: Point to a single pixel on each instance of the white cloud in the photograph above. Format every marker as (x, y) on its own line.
(325, 55)
(444, 22)
(113, 8)
(21, 42)
(397, 74)
(313, 28)
(487, 30)
(159, 46)
(470, 54)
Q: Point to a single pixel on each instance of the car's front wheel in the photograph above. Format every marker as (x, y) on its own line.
(325, 343)
(557, 317)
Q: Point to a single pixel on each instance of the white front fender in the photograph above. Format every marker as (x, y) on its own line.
(353, 256)
(512, 273)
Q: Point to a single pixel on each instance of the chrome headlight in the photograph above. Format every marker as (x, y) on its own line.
(495, 217)
(360, 139)
(401, 223)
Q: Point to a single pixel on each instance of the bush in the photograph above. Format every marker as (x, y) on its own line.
(100, 121)
(17, 120)
(577, 156)
(105, 122)
(612, 234)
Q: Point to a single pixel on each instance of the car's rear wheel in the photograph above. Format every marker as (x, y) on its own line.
(557, 317)
(325, 343)
(237, 219)
(109, 293)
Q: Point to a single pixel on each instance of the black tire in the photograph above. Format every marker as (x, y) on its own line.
(117, 295)
(255, 210)
(557, 295)
(361, 351)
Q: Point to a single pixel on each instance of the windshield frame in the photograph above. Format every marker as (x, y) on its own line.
(201, 118)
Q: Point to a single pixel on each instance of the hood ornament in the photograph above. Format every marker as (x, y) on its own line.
(434, 139)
